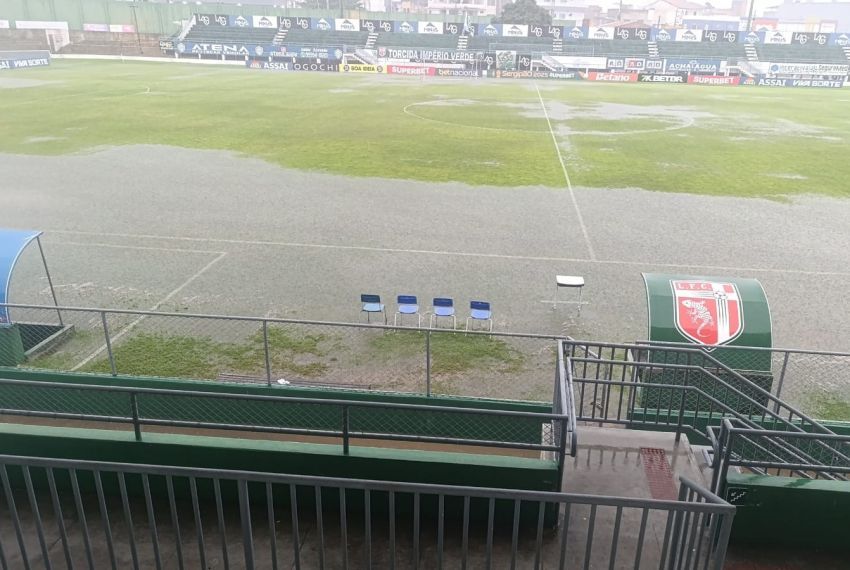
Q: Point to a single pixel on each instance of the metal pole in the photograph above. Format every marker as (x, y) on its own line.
(49, 280)
(781, 382)
(345, 430)
(108, 344)
(428, 363)
(134, 408)
(245, 515)
(266, 350)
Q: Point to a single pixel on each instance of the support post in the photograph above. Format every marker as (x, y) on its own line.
(781, 382)
(266, 350)
(345, 430)
(428, 363)
(49, 280)
(112, 367)
(134, 408)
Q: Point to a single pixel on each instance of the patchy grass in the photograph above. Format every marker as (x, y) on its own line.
(829, 407)
(176, 356)
(451, 353)
(742, 141)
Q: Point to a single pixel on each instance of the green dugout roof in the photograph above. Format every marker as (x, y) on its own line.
(709, 311)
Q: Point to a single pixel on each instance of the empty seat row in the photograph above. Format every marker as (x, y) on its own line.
(441, 307)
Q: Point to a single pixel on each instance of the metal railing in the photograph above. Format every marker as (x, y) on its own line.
(95, 514)
(339, 419)
(738, 445)
(813, 380)
(303, 352)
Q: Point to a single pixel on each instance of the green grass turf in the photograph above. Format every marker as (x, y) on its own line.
(743, 141)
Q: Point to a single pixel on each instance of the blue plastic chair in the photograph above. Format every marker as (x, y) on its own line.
(372, 304)
(407, 305)
(480, 311)
(443, 307)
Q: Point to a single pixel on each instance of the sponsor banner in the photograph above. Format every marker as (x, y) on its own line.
(431, 28)
(268, 65)
(634, 64)
(602, 33)
(808, 69)
(506, 60)
(95, 27)
(515, 30)
(802, 39)
(580, 62)
(538, 31)
(777, 37)
(458, 72)
(410, 70)
(376, 26)
(709, 66)
(323, 24)
(688, 35)
(304, 64)
(523, 62)
(662, 35)
(751, 37)
(347, 25)
(612, 77)
(720, 36)
(840, 39)
(616, 63)
(453, 28)
(264, 21)
(663, 78)
(562, 75)
(222, 49)
(166, 45)
(405, 27)
(432, 55)
(488, 30)
(123, 28)
(238, 22)
(331, 53)
(782, 82)
(24, 62)
(576, 33)
(655, 65)
(204, 19)
(287, 23)
(4, 24)
(641, 34)
(358, 68)
(714, 79)
(40, 25)
(529, 74)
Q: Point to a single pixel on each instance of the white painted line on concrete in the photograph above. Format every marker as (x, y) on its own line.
(155, 307)
(141, 247)
(456, 253)
(579, 217)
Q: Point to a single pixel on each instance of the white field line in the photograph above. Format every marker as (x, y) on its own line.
(614, 262)
(140, 247)
(155, 307)
(579, 217)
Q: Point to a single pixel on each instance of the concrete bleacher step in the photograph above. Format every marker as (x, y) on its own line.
(280, 36)
(557, 45)
(462, 42)
(632, 463)
(752, 52)
(652, 48)
(371, 40)
(846, 51)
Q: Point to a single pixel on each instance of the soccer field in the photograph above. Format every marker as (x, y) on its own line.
(731, 141)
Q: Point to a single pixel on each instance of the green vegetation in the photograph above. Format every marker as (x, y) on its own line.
(743, 141)
(829, 407)
(451, 353)
(175, 356)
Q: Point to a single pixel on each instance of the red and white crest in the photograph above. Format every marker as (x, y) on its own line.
(708, 312)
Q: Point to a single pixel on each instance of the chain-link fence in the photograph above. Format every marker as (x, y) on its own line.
(271, 351)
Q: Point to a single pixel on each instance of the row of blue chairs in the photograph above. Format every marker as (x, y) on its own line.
(441, 307)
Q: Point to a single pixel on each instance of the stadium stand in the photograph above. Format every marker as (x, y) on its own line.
(260, 36)
(719, 50)
(488, 43)
(297, 37)
(416, 41)
(612, 48)
(809, 53)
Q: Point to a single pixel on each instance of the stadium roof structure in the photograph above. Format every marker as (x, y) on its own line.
(12, 245)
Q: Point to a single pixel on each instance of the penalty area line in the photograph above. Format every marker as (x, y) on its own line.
(582, 226)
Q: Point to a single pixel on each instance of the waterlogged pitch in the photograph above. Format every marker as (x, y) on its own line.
(744, 141)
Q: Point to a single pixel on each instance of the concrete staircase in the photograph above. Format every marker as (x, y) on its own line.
(752, 52)
(846, 51)
(371, 40)
(557, 45)
(280, 36)
(652, 49)
(462, 42)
